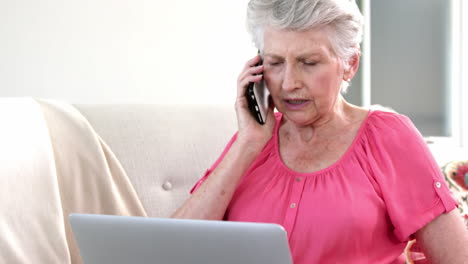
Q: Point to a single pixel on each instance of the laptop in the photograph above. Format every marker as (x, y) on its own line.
(106, 239)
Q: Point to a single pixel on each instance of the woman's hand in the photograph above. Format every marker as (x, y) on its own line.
(212, 198)
(250, 131)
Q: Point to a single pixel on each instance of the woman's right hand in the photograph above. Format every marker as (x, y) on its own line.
(250, 131)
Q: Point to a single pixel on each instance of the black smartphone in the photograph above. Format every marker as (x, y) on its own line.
(257, 97)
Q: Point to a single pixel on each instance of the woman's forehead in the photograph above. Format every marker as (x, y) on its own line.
(307, 42)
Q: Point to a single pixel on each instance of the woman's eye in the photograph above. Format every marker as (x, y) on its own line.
(310, 63)
(274, 63)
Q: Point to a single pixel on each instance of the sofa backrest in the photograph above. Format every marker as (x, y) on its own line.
(164, 149)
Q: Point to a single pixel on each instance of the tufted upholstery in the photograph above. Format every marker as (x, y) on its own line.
(164, 149)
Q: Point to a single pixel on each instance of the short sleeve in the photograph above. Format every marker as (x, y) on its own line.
(213, 167)
(410, 181)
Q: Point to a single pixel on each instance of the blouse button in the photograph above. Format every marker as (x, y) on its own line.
(293, 205)
(298, 179)
(438, 185)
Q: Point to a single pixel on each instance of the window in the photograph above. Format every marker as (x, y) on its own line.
(414, 62)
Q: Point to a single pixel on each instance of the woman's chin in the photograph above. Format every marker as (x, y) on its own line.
(302, 118)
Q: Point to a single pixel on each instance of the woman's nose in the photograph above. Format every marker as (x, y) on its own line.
(291, 78)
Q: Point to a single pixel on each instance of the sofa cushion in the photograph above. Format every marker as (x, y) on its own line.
(164, 149)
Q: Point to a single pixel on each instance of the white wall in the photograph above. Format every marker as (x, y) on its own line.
(130, 51)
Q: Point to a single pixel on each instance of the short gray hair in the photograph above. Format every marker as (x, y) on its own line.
(341, 16)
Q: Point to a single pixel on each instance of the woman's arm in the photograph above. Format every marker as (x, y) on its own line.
(445, 239)
(212, 198)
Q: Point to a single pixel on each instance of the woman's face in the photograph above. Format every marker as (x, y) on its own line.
(302, 73)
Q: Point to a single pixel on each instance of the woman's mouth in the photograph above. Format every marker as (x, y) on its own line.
(295, 104)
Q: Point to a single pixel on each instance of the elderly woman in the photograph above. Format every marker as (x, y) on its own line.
(349, 184)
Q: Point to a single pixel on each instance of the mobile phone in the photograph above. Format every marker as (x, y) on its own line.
(257, 97)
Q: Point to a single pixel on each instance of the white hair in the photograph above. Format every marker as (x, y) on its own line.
(341, 17)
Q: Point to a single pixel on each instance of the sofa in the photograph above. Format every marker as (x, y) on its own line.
(164, 149)
(125, 159)
(57, 158)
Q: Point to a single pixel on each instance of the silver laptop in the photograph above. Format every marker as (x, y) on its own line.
(106, 239)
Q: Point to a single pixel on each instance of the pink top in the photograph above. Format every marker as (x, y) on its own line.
(361, 209)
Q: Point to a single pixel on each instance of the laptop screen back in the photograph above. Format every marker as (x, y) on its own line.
(107, 239)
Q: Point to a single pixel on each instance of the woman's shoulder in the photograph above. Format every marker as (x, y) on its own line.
(382, 112)
(388, 120)
(391, 130)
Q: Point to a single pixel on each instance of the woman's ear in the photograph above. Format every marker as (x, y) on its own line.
(353, 66)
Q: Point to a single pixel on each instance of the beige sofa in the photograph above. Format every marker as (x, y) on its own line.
(58, 158)
(164, 149)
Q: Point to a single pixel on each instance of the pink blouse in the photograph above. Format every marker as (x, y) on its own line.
(361, 209)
